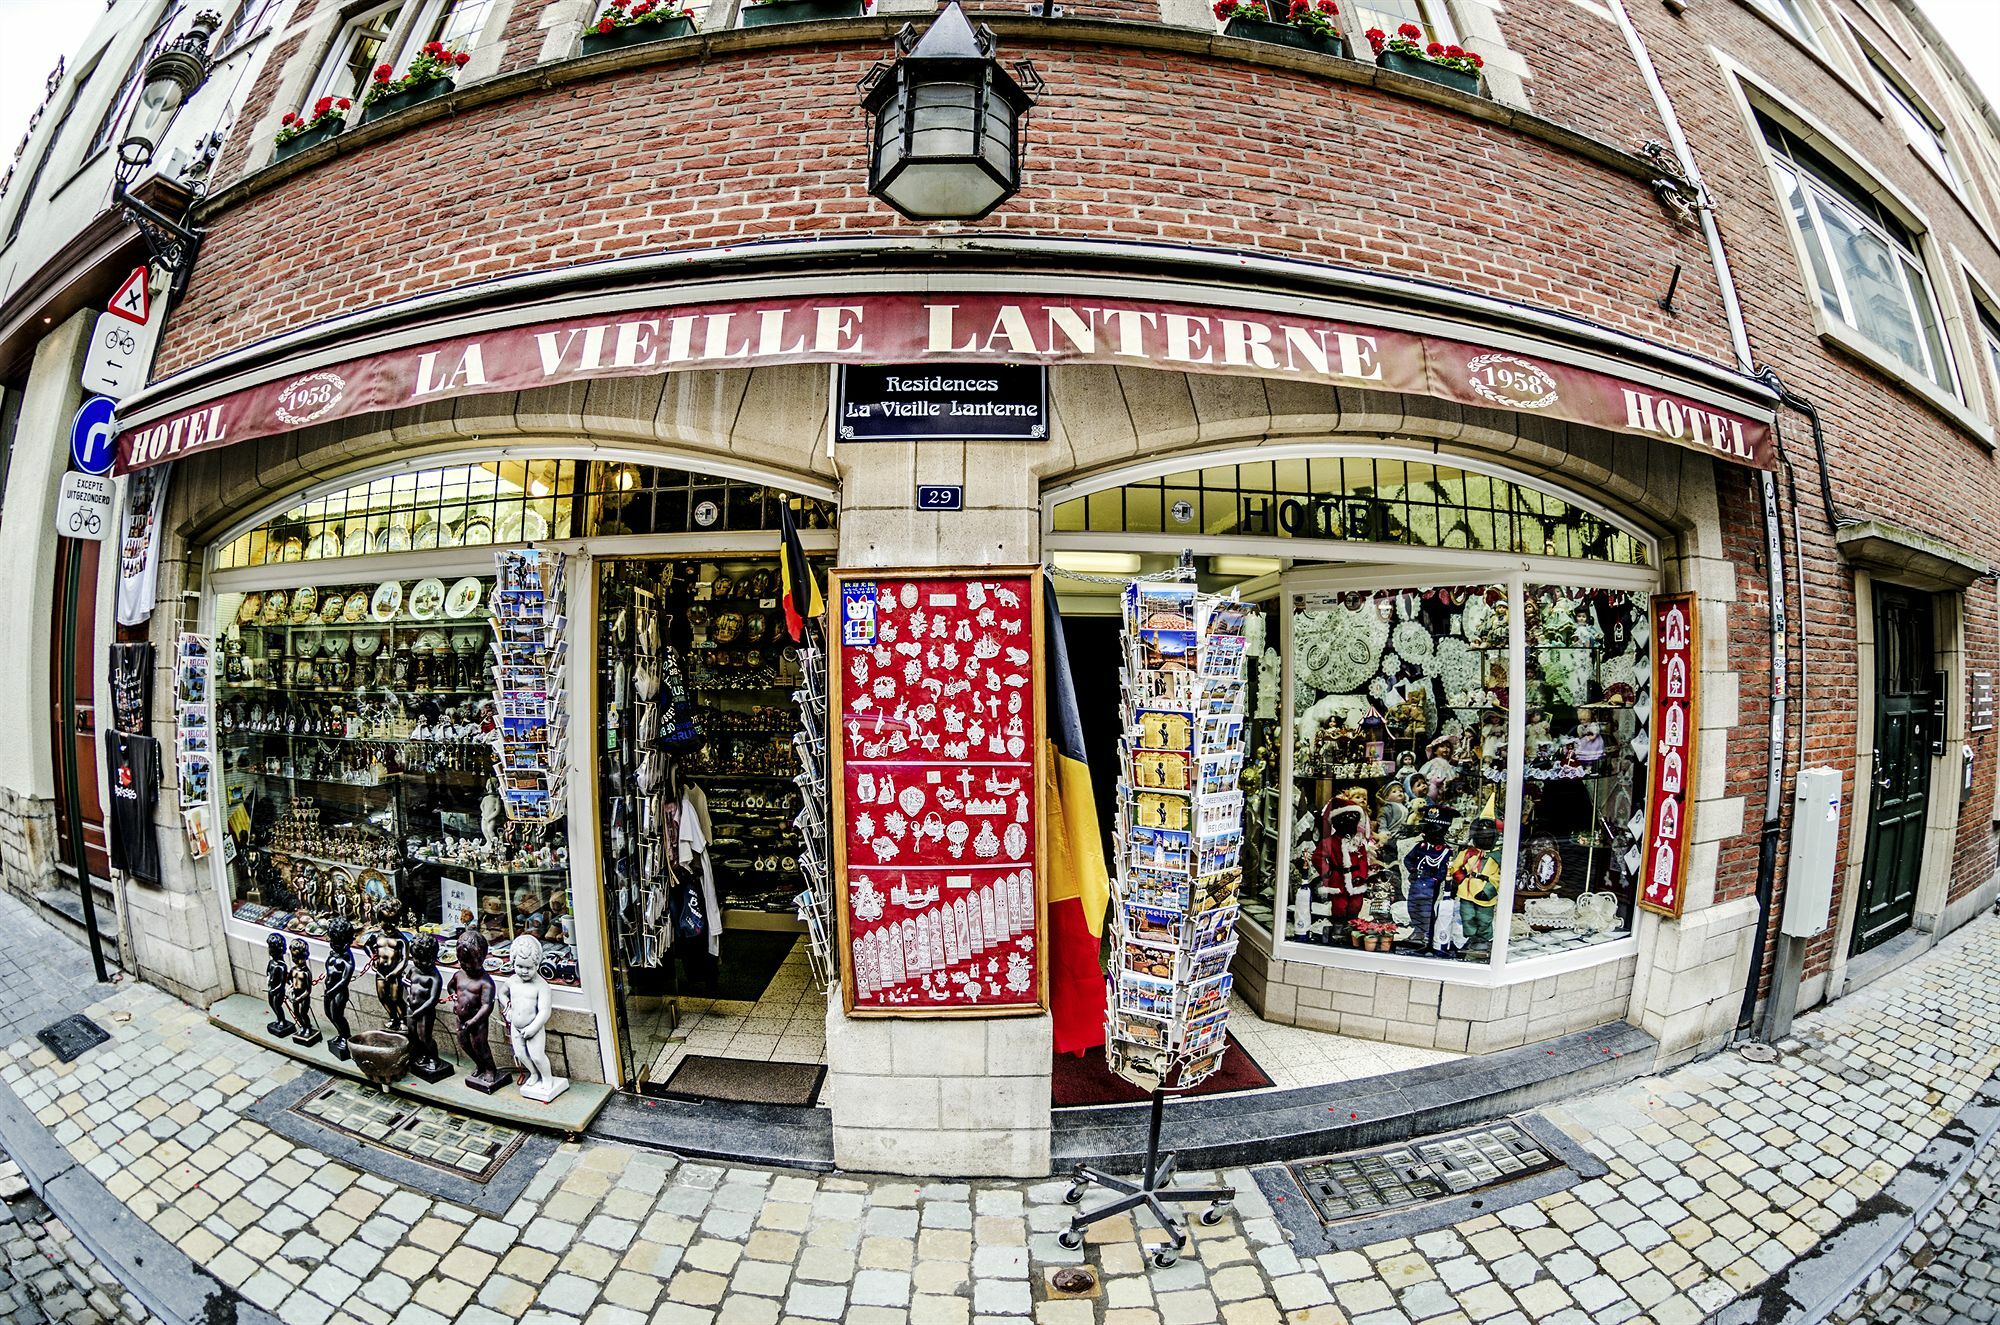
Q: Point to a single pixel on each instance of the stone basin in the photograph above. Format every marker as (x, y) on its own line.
(382, 1056)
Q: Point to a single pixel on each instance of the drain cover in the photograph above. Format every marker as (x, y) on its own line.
(1370, 1183)
(70, 1037)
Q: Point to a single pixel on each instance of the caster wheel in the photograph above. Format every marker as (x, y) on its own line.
(1074, 1196)
(1069, 1239)
(1165, 1257)
(1213, 1215)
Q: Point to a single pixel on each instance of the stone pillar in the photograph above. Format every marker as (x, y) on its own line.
(953, 1096)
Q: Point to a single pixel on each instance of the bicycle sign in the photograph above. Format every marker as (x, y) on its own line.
(84, 507)
(116, 364)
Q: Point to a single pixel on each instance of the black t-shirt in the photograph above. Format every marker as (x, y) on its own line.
(131, 686)
(135, 788)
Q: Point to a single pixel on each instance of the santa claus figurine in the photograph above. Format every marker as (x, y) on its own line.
(1343, 857)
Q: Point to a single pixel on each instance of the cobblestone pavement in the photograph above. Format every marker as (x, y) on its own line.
(1721, 1173)
(1961, 1285)
(47, 1277)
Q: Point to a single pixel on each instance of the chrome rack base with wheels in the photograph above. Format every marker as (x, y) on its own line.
(1152, 1189)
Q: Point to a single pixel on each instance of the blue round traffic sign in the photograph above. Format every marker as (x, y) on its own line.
(93, 437)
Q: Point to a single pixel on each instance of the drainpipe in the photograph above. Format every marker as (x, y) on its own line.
(1774, 544)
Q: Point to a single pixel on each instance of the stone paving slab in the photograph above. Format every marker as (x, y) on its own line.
(1718, 1176)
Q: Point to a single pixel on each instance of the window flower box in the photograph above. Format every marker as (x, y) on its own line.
(635, 22)
(1447, 66)
(429, 77)
(296, 133)
(771, 12)
(1308, 25)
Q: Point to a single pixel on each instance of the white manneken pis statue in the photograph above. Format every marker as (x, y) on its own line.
(526, 1002)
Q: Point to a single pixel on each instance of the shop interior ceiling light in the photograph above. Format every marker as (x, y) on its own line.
(1247, 568)
(946, 122)
(1098, 563)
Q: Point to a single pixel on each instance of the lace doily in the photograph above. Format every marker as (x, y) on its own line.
(1339, 647)
(1455, 665)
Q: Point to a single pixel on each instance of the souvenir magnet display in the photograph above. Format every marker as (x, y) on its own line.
(936, 689)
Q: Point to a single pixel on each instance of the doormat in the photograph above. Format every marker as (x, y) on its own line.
(1361, 1197)
(70, 1037)
(1081, 1080)
(750, 958)
(741, 1081)
(471, 1148)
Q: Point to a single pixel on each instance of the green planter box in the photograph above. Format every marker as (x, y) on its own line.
(408, 97)
(310, 138)
(1459, 80)
(637, 34)
(1284, 34)
(800, 11)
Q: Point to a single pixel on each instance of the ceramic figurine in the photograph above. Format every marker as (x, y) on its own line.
(1341, 860)
(423, 987)
(1424, 866)
(301, 982)
(1476, 872)
(390, 952)
(339, 981)
(472, 999)
(277, 979)
(526, 1003)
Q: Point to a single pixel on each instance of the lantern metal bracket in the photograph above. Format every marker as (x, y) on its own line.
(173, 244)
(1683, 199)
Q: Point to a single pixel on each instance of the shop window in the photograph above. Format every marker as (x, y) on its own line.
(1989, 336)
(25, 199)
(1354, 500)
(1586, 747)
(1863, 262)
(354, 721)
(249, 20)
(1399, 769)
(512, 501)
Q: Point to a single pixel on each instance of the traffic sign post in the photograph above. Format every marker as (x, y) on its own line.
(84, 507)
(132, 302)
(93, 435)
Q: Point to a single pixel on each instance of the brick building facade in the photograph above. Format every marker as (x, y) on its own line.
(1555, 219)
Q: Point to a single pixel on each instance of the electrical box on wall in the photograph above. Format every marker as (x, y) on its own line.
(1815, 845)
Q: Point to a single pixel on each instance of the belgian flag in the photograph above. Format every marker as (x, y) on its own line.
(801, 591)
(1079, 887)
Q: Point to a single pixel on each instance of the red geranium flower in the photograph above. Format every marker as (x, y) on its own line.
(460, 58)
(1376, 34)
(383, 73)
(1410, 30)
(1455, 52)
(607, 24)
(289, 120)
(434, 48)
(1434, 50)
(1477, 63)
(1327, 7)
(322, 106)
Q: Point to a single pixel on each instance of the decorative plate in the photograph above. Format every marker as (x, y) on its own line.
(431, 641)
(463, 600)
(476, 532)
(426, 597)
(355, 543)
(274, 608)
(247, 610)
(427, 535)
(388, 600)
(356, 608)
(331, 606)
(366, 643)
(533, 526)
(305, 604)
(396, 538)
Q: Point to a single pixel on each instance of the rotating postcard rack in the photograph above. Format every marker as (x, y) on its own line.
(1179, 842)
(526, 603)
(814, 903)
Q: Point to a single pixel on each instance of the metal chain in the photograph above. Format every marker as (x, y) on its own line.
(1181, 571)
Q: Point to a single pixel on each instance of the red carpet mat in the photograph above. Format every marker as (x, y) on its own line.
(1084, 1079)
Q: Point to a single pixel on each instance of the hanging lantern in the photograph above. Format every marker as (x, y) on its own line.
(946, 122)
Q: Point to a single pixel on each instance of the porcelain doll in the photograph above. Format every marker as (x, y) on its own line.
(1342, 857)
(1438, 772)
(1425, 866)
(526, 1002)
(1476, 872)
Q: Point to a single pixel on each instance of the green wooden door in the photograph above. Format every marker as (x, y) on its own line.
(1900, 797)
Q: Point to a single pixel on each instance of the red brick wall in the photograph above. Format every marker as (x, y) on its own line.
(1127, 144)
(1584, 74)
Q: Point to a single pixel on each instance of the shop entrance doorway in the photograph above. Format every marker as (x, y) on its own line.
(709, 977)
(1899, 801)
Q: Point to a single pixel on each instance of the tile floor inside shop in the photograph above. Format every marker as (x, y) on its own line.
(787, 1024)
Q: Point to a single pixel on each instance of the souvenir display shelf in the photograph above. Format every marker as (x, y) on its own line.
(355, 735)
(1457, 703)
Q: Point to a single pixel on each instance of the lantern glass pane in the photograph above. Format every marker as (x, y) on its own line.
(944, 120)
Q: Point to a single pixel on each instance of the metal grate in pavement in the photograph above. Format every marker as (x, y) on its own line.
(469, 1147)
(1368, 1184)
(69, 1038)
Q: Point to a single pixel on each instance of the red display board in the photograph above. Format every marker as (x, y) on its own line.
(1670, 792)
(935, 688)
